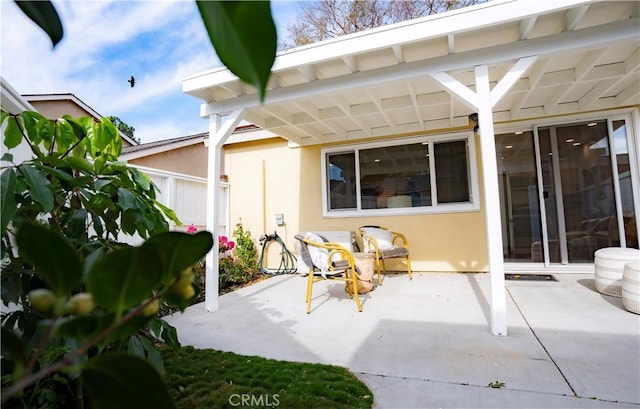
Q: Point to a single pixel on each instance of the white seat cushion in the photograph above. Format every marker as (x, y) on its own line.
(382, 236)
(319, 256)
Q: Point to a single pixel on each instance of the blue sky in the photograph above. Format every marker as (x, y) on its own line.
(105, 42)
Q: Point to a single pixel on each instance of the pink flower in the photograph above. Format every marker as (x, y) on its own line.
(192, 229)
(231, 245)
(222, 239)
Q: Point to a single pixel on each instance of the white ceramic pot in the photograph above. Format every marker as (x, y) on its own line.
(609, 266)
(631, 286)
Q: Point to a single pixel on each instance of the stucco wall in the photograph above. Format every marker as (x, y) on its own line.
(57, 108)
(438, 242)
(189, 160)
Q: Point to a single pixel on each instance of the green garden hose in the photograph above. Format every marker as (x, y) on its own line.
(287, 258)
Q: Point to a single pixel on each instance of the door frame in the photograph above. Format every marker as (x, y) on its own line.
(631, 116)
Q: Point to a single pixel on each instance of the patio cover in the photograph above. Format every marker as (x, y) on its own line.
(506, 60)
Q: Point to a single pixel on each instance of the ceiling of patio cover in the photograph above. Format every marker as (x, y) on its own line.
(377, 83)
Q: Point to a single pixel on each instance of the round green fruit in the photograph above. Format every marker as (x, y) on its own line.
(187, 292)
(81, 303)
(151, 309)
(42, 300)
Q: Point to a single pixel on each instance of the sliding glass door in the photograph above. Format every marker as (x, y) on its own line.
(566, 191)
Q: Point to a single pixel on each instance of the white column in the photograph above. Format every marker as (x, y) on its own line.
(218, 134)
(491, 203)
(213, 178)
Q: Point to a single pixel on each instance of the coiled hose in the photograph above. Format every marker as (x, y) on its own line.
(287, 258)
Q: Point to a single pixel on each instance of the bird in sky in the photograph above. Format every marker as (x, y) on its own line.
(132, 81)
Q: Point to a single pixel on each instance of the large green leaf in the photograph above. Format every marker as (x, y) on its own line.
(8, 203)
(110, 133)
(65, 136)
(80, 163)
(117, 380)
(244, 36)
(126, 200)
(45, 16)
(12, 134)
(45, 129)
(178, 251)
(141, 179)
(31, 119)
(124, 277)
(55, 261)
(170, 213)
(39, 186)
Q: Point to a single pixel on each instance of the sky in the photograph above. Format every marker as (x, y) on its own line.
(106, 42)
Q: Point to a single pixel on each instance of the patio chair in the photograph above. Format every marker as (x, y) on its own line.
(385, 244)
(327, 261)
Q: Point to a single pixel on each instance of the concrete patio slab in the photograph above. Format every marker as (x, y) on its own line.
(426, 342)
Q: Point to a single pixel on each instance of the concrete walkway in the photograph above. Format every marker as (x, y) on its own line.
(426, 343)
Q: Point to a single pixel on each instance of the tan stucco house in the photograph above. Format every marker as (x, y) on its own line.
(54, 106)
(502, 136)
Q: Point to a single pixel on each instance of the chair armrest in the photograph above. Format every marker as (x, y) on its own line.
(367, 238)
(333, 249)
(398, 235)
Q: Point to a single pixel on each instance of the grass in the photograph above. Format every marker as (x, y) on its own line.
(206, 378)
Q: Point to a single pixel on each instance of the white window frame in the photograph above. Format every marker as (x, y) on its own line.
(474, 189)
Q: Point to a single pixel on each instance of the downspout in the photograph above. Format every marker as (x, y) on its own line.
(264, 198)
(218, 135)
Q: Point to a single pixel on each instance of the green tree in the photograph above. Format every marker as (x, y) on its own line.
(324, 19)
(83, 324)
(124, 127)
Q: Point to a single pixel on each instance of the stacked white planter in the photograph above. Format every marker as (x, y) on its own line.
(631, 286)
(609, 267)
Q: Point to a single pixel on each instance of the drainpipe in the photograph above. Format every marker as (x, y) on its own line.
(264, 197)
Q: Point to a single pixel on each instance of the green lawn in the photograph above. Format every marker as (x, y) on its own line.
(205, 378)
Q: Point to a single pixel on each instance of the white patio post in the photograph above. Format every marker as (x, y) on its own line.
(483, 100)
(218, 135)
(491, 203)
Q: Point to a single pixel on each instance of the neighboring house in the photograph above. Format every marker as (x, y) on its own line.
(180, 188)
(54, 106)
(186, 157)
(178, 167)
(499, 136)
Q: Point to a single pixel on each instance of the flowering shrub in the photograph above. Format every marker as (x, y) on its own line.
(225, 245)
(236, 263)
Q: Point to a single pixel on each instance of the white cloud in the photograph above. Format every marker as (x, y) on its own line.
(161, 130)
(105, 42)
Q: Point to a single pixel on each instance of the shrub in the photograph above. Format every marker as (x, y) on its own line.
(237, 262)
(83, 324)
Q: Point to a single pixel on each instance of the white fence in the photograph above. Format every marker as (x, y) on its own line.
(187, 196)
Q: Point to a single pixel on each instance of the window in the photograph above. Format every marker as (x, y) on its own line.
(417, 175)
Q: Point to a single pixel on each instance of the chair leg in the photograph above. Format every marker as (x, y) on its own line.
(309, 291)
(378, 271)
(384, 266)
(409, 268)
(353, 278)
